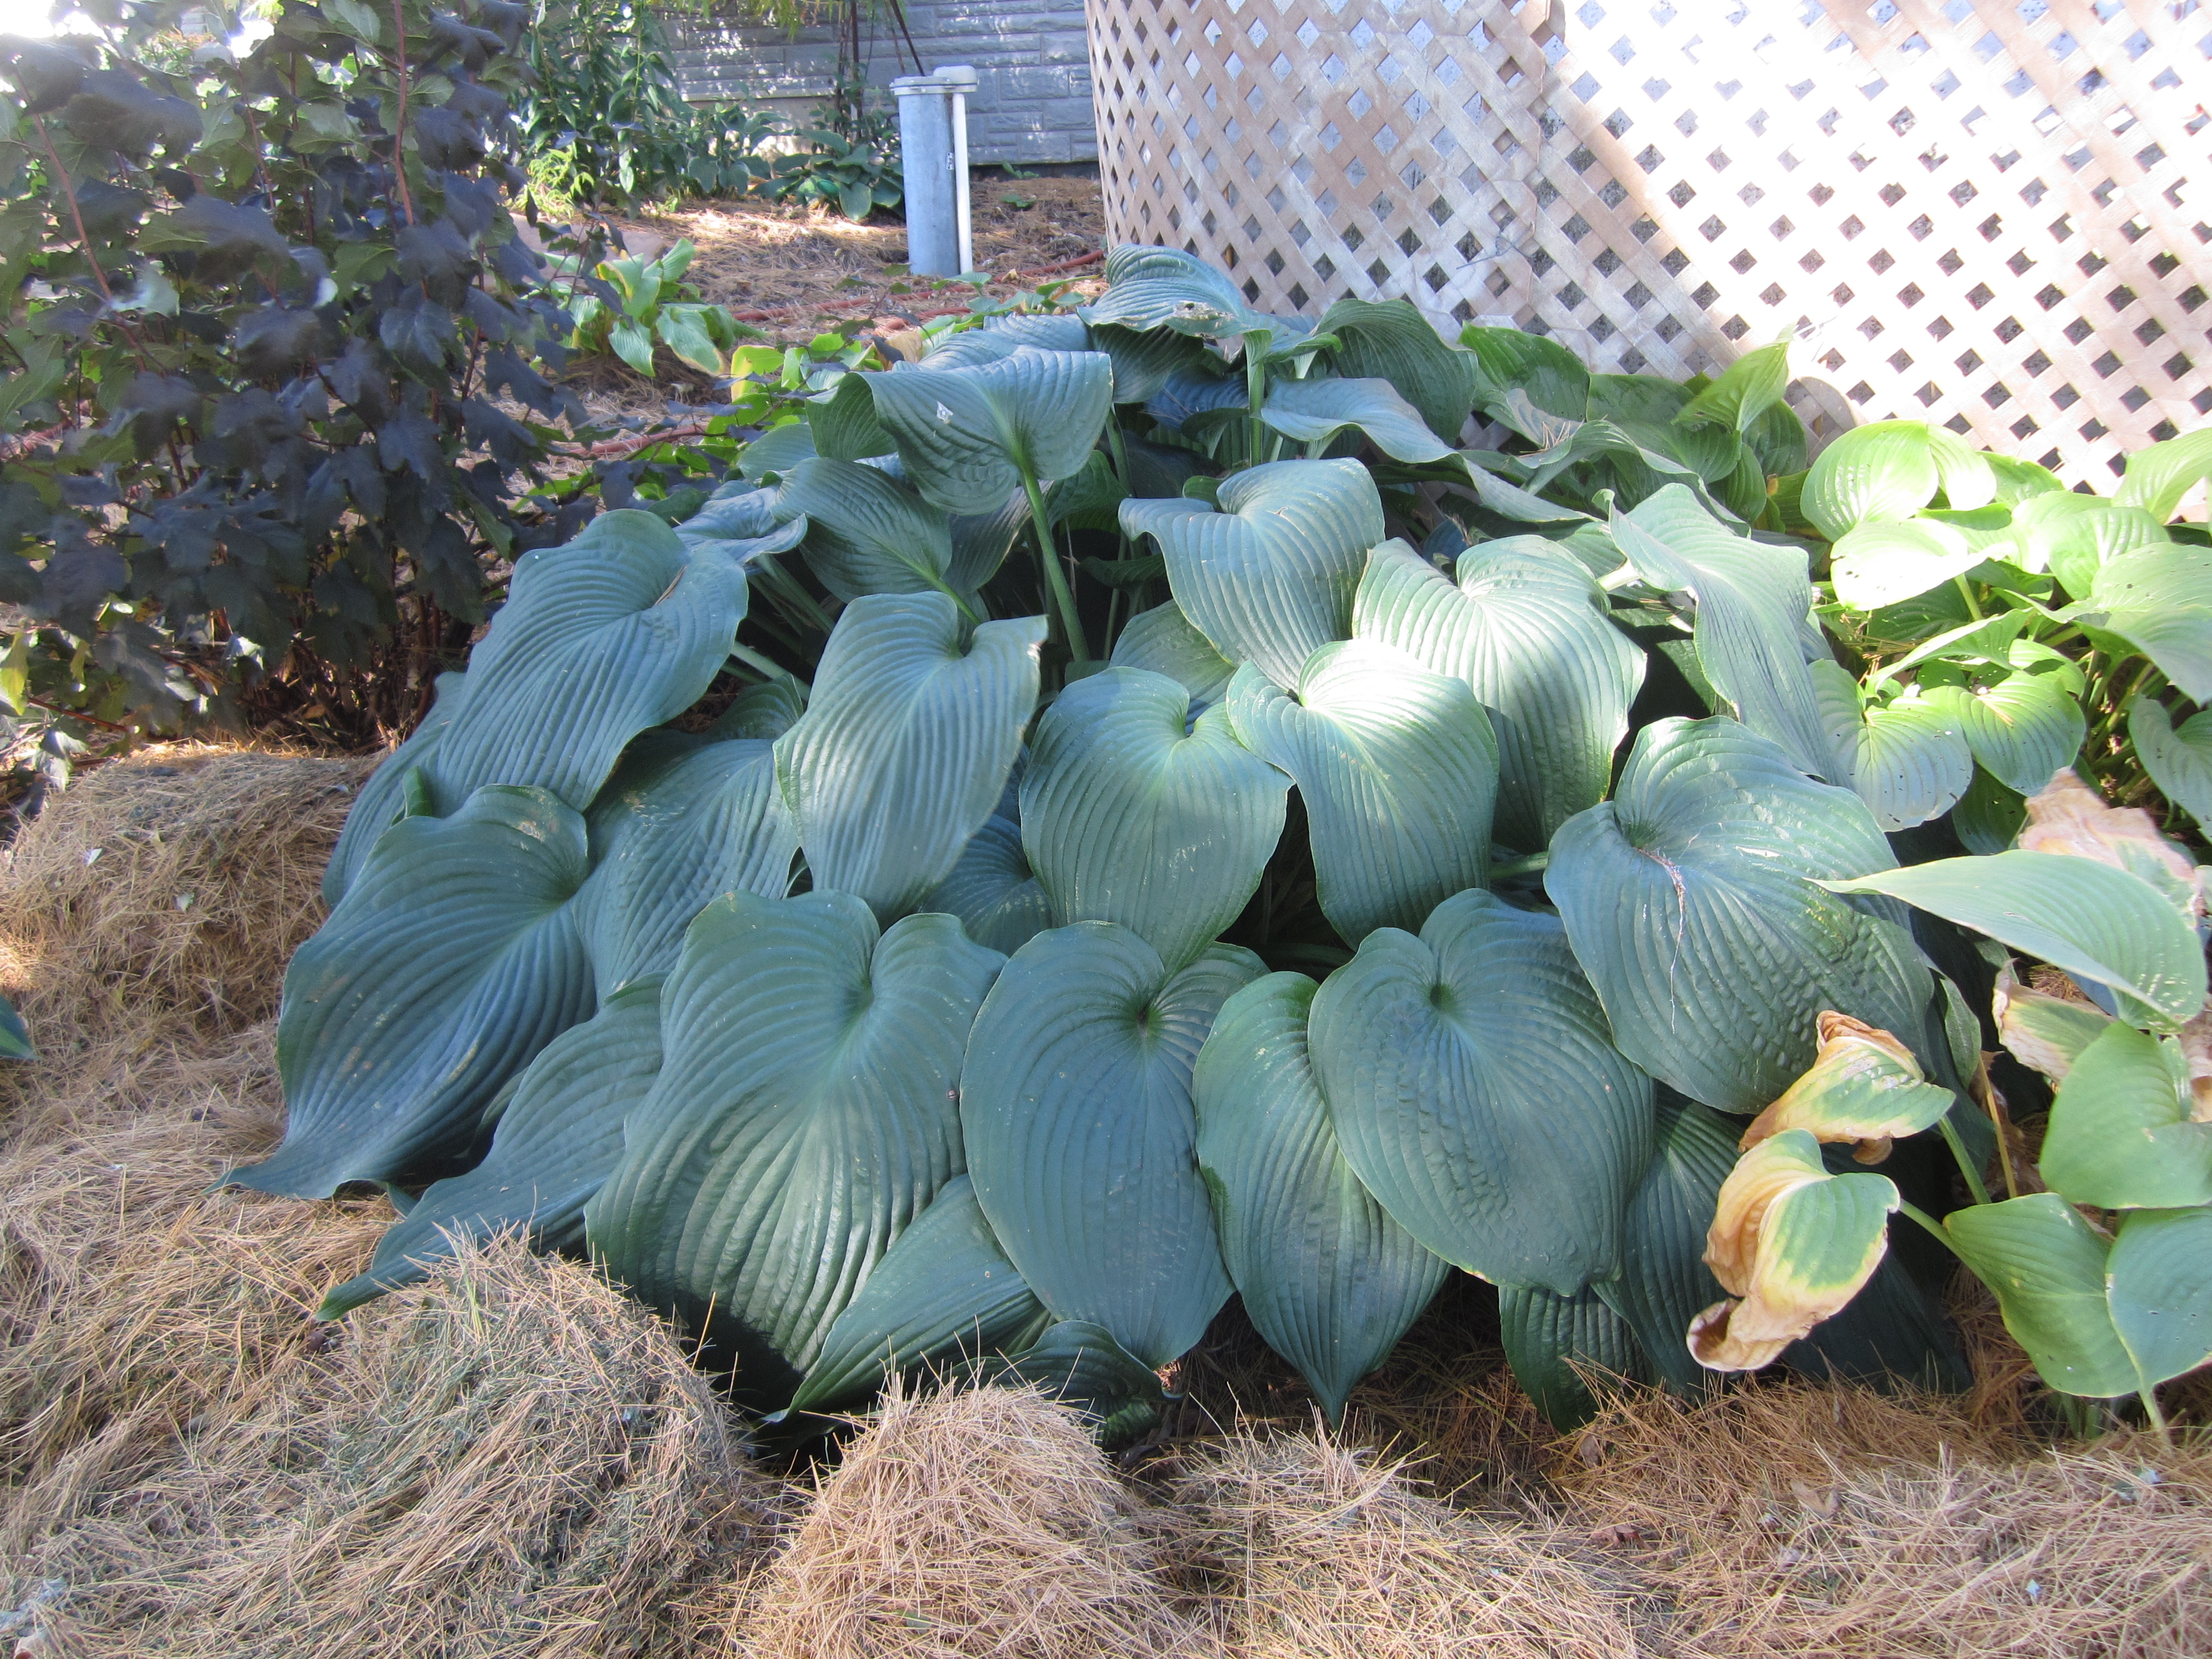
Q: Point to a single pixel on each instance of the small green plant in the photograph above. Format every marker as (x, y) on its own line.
(851, 161)
(652, 306)
(867, 913)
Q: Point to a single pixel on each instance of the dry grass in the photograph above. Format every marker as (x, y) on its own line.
(969, 1522)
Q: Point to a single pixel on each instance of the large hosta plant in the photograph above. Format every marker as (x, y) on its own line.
(1168, 802)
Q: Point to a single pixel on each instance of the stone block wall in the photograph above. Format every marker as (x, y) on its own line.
(1032, 103)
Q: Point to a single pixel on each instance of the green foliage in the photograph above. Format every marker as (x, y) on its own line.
(267, 392)
(1189, 819)
(652, 307)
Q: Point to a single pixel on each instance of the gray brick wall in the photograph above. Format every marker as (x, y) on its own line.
(1032, 103)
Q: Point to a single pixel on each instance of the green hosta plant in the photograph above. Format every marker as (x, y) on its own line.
(1172, 802)
(647, 306)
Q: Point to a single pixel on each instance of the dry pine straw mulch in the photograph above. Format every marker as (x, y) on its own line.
(514, 1459)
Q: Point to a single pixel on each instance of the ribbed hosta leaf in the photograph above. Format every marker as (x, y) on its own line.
(1526, 629)
(1557, 1345)
(943, 1292)
(1128, 818)
(869, 533)
(1077, 1108)
(557, 1141)
(1326, 1276)
(1311, 411)
(2022, 730)
(2158, 478)
(1474, 1089)
(2122, 1134)
(2178, 757)
(1752, 599)
(2159, 599)
(906, 742)
(1690, 899)
(805, 1112)
(1888, 560)
(1398, 770)
(1664, 1282)
(383, 800)
(1002, 337)
(844, 424)
(1081, 1365)
(681, 822)
(453, 959)
(970, 437)
(1883, 471)
(1269, 578)
(1532, 384)
(1163, 640)
(741, 521)
(1908, 759)
(1164, 288)
(618, 631)
(992, 890)
(1390, 339)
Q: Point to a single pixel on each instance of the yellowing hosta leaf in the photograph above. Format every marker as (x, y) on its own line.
(1791, 1244)
(2068, 817)
(2045, 1031)
(1864, 1087)
(2122, 1135)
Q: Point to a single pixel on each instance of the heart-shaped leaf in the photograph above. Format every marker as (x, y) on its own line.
(906, 743)
(2178, 757)
(1474, 1089)
(2074, 536)
(1532, 384)
(1908, 758)
(1664, 1282)
(1164, 288)
(682, 822)
(844, 424)
(945, 1291)
(1883, 471)
(1752, 599)
(1077, 1107)
(992, 889)
(2158, 478)
(1390, 340)
(806, 1110)
(453, 959)
(2159, 599)
(559, 1138)
(2122, 1134)
(1269, 578)
(971, 437)
(2022, 730)
(1692, 900)
(1525, 627)
(2082, 917)
(618, 631)
(1128, 818)
(1313, 411)
(1327, 1277)
(1163, 640)
(868, 533)
(2159, 1286)
(2048, 1269)
(1863, 1088)
(1745, 389)
(1398, 770)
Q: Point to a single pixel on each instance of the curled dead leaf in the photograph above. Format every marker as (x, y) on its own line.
(2067, 815)
(1863, 1086)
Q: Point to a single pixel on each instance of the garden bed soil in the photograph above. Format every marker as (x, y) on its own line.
(515, 1459)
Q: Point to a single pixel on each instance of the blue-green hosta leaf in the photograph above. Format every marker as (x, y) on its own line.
(2122, 1134)
(805, 1112)
(1269, 578)
(1746, 389)
(618, 631)
(1196, 391)
(742, 522)
(1508, 500)
(1525, 627)
(383, 800)
(2158, 478)
(1886, 560)
(1692, 900)
(2073, 536)
(945, 1291)
(1081, 1365)
(1398, 770)
(1664, 1282)
(1328, 1278)
(557, 1141)
(453, 959)
(2159, 599)
(2159, 1290)
(632, 342)
(2082, 917)
(777, 450)
(868, 533)
(1156, 288)
(1163, 640)
(1557, 1345)
(2178, 757)
(1475, 1090)
(1989, 815)
(906, 742)
(1002, 337)
(969, 437)
(1313, 411)
(15, 1036)
(1753, 598)
(1534, 384)
(1908, 758)
(1390, 340)
(767, 710)
(844, 423)
(1128, 817)
(2023, 730)
(2047, 1267)
(1077, 1108)
(680, 823)
(1884, 470)
(992, 889)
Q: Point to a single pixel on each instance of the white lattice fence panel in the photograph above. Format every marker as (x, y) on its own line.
(1989, 214)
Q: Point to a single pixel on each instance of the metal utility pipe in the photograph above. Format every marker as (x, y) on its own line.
(933, 149)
